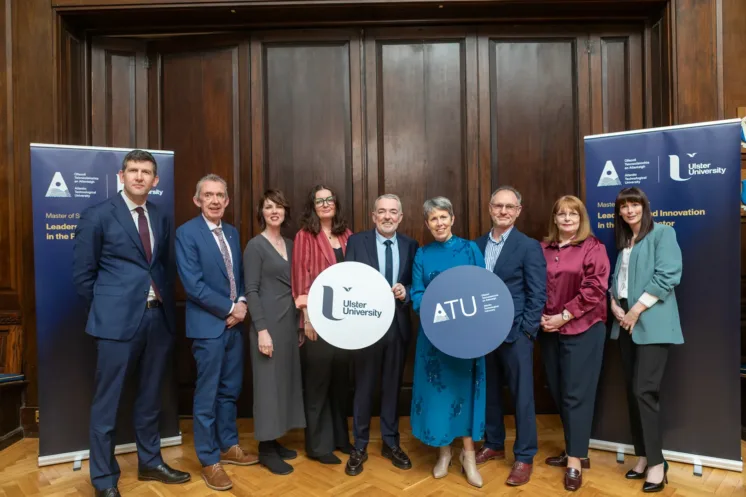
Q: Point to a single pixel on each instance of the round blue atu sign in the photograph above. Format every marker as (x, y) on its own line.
(467, 312)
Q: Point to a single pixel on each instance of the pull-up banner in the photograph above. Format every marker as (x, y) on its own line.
(66, 180)
(691, 175)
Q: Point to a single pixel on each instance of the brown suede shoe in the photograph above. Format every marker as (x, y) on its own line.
(236, 455)
(520, 474)
(485, 454)
(216, 478)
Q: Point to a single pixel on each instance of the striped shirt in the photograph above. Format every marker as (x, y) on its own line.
(493, 249)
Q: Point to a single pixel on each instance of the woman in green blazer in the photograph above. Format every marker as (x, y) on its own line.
(643, 302)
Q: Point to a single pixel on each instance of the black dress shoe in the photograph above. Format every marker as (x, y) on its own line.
(657, 487)
(355, 462)
(560, 461)
(634, 475)
(573, 479)
(284, 452)
(109, 492)
(397, 456)
(163, 473)
(274, 463)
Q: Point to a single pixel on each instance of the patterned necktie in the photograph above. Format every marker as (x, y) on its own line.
(389, 263)
(227, 260)
(142, 228)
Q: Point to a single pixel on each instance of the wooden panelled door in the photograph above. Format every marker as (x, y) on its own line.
(452, 111)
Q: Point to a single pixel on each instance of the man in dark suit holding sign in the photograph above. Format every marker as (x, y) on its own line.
(392, 254)
(123, 266)
(519, 261)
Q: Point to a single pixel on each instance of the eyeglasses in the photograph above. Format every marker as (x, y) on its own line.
(509, 207)
(328, 201)
(568, 215)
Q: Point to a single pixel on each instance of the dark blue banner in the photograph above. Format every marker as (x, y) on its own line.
(66, 180)
(691, 175)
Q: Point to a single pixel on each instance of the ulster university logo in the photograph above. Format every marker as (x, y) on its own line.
(609, 176)
(349, 307)
(58, 187)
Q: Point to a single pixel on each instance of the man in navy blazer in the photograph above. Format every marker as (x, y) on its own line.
(123, 267)
(208, 257)
(392, 254)
(519, 261)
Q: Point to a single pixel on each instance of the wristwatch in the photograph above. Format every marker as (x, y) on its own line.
(565, 315)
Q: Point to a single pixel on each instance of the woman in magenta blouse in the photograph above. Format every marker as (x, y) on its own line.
(573, 328)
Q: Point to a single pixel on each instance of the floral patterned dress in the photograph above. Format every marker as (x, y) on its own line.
(448, 397)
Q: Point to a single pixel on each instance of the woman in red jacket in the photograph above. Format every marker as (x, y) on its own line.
(321, 242)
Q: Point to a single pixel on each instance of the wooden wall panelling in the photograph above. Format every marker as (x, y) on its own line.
(306, 122)
(72, 84)
(421, 116)
(659, 83)
(197, 109)
(119, 92)
(734, 56)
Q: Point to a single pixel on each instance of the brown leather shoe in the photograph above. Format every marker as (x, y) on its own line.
(236, 455)
(216, 478)
(520, 474)
(560, 461)
(486, 454)
(573, 479)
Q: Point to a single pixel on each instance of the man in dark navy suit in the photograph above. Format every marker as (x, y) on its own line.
(392, 254)
(208, 257)
(123, 267)
(519, 261)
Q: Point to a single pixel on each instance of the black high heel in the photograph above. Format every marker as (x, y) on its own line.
(657, 487)
(634, 475)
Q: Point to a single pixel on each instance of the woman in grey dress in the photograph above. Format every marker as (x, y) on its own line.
(274, 337)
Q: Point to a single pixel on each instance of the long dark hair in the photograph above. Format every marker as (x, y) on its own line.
(310, 220)
(622, 231)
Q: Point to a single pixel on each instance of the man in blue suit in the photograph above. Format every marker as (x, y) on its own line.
(519, 261)
(208, 257)
(123, 267)
(392, 254)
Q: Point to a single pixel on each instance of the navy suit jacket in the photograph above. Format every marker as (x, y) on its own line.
(205, 277)
(361, 247)
(523, 268)
(110, 270)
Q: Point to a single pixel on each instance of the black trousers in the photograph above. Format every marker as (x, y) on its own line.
(573, 366)
(644, 366)
(383, 361)
(326, 383)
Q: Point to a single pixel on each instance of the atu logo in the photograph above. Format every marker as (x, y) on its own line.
(441, 315)
(609, 176)
(58, 187)
(349, 307)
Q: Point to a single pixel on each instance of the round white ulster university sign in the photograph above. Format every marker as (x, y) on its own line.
(351, 305)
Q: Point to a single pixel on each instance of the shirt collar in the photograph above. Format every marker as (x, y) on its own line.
(503, 237)
(381, 239)
(131, 205)
(210, 225)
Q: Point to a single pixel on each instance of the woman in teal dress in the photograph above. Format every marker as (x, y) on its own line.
(448, 397)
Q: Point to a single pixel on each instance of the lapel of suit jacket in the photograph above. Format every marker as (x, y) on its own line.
(123, 215)
(508, 251)
(403, 256)
(212, 245)
(372, 248)
(326, 248)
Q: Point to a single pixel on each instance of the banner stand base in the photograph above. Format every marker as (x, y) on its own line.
(697, 461)
(77, 457)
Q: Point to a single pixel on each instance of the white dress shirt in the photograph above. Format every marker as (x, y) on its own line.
(212, 226)
(623, 282)
(135, 216)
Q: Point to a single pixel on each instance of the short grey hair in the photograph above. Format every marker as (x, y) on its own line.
(390, 196)
(210, 177)
(437, 203)
(507, 189)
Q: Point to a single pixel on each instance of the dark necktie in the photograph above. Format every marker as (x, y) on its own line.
(389, 263)
(142, 228)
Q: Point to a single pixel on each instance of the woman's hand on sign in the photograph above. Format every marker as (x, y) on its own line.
(265, 343)
(399, 291)
(310, 332)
